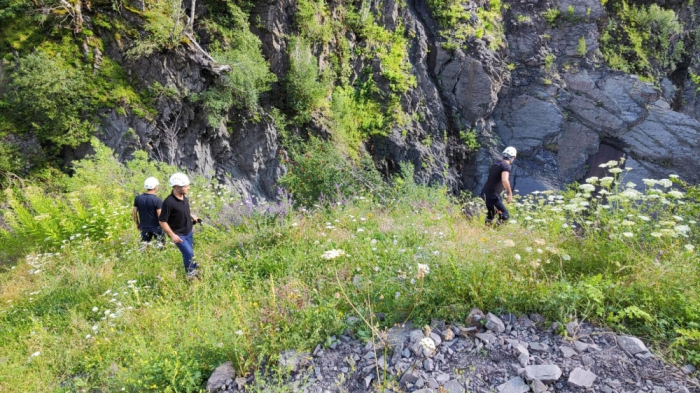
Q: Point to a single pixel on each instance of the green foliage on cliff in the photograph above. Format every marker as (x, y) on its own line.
(639, 35)
(459, 25)
(237, 46)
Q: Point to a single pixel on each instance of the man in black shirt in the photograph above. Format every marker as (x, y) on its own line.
(177, 221)
(146, 211)
(497, 182)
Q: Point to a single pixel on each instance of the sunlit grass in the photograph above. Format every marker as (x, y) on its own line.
(101, 312)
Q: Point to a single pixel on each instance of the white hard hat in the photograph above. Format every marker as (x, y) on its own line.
(151, 183)
(179, 179)
(510, 152)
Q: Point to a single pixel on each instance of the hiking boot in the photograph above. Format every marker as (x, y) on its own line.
(191, 275)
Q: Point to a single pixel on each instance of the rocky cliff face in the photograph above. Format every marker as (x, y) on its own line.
(545, 90)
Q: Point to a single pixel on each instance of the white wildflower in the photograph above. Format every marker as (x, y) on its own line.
(427, 344)
(517, 257)
(673, 176)
(627, 234)
(592, 180)
(665, 182)
(332, 254)
(689, 247)
(606, 181)
(656, 234)
(566, 257)
(587, 187)
(615, 170)
(644, 218)
(509, 243)
(649, 182)
(630, 185)
(675, 194)
(95, 309)
(423, 270)
(682, 229)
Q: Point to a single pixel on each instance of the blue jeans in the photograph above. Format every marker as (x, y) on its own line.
(150, 233)
(187, 250)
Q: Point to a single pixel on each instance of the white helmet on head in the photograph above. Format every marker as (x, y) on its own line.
(179, 179)
(510, 152)
(151, 183)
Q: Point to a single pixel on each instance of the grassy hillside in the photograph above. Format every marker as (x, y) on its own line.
(83, 305)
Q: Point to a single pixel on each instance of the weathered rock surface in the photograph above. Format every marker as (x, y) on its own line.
(558, 106)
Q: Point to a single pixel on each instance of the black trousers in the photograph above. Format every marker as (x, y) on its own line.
(495, 208)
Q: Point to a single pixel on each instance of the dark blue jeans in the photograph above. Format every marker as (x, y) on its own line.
(150, 233)
(495, 208)
(187, 250)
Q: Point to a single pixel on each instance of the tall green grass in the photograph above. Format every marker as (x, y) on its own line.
(101, 312)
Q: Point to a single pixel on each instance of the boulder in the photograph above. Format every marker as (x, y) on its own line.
(219, 377)
(580, 378)
(548, 373)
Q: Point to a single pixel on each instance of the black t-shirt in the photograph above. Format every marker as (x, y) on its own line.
(494, 185)
(147, 206)
(176, 213)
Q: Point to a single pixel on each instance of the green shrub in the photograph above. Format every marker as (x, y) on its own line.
(319, 173)
(305, 86)
(581, 47)
(640, 34)
(312, 20)
(164, 26)
(551, 15)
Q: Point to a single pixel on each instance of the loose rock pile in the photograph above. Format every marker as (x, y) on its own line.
(488, 353)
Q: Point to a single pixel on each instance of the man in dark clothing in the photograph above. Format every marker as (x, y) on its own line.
(146, 211)
(497, 182)
(177, 221)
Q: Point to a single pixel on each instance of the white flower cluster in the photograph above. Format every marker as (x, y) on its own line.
(333, 254)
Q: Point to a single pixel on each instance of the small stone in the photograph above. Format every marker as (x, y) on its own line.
(580, 346)
(368, 380)
(442, 378)
(606, 389)
(632, 345)
(514, 385)
(659, 389)
(644, 356)
(572, 328)
(538, 386)
(523, 359)
(580, 378)
(567, 352)
(293, 361)
(539, 347)
(525, 322)
(369, 355)
(487, 338)
(537, 319)
(556, 326)
(221, 374)
(494, 323)
(352, 320)
(453, 386)
(432, 383)
(587, 361)
(409, 377)
(406, 353)
(420, 383)
(546, 373)
(428, 365)
(474, 318)
(688, 369)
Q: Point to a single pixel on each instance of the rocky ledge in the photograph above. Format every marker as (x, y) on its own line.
(487, 353)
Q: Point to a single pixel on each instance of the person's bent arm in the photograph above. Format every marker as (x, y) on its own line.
(505, 179)
(135, 215)
(166, 228)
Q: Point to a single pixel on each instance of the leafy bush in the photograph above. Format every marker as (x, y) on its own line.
(164, 25)
(237, 46)
(306, 88)
(640, 34)
(318, 172)
(581, 47)
(551, 15)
